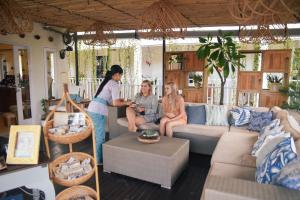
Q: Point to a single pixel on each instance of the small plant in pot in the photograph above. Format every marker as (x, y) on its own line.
(275, 82)
(197, 78)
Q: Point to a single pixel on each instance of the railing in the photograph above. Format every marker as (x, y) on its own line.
(128, 91)
(214, 92)
(90, 85)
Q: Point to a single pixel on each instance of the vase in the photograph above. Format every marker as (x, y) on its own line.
(274, 87)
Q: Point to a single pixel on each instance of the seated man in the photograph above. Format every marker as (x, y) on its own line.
(143, 109)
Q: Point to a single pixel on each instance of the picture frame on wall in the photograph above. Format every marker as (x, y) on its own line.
(24, 144)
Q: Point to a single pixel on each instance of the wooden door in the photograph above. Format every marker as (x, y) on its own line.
(276, 60)
(249, 81)
(192, 63)
(269, 99)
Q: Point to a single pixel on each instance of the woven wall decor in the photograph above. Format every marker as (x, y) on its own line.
(269, 17)
(13, 18)
(99, 34)
(162, 19)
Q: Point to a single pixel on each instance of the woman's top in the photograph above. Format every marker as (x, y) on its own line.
(109, 93)
(150, 104)
(173, 105)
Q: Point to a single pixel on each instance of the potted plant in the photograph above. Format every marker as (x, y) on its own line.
(197, 78)
(221, 56)
(175, 62)
(274, 82)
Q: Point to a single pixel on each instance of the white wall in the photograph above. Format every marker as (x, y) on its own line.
(37, 63)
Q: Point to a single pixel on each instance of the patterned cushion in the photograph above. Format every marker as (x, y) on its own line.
(269, 128)
(196, 114)
(289, 176)
(259, 119)
(216, 115)
(268, 135)
(240, 116)
(281, 155)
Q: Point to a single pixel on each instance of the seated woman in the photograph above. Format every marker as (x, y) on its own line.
(143, 109)
(174, 110)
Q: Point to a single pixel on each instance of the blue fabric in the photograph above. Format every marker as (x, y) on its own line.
(240, 116)
(289, 176)
(99, 122)
(271, 165)
(272, 129)
(76, 98)
(196, 114)
(258, 120)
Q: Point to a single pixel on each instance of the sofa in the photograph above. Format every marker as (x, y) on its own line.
(203, 138)
(232, 172)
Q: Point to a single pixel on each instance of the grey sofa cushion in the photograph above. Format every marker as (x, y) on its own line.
(233, 171)
(233, 147)
(197, 129)
(124, 122)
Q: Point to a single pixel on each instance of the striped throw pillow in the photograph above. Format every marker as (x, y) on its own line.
(240, 116)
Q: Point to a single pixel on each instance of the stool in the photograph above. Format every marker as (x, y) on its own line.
(9, 119)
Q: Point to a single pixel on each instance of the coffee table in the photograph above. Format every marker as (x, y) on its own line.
(160, 163)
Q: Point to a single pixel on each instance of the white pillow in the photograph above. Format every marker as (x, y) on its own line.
(293, 123)
(60, 119)
(216, 115)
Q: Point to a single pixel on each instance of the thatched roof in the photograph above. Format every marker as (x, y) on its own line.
(124, 14)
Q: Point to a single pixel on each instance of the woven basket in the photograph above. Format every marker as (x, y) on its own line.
(68, 183)
(148, 141)
(67, 139)
(75, 192)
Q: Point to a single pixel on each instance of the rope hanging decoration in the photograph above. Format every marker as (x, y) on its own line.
(162, 19)
(99, 34)
(268, 16)
(13, 18)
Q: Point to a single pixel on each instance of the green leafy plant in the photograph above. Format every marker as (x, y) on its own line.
(197, 78)
(274, 78)
(44, 108)
(221, 56)
(293, 92)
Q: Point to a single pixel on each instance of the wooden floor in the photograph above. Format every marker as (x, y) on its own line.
(118, 187)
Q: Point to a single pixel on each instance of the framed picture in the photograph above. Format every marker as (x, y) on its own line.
(23, 144)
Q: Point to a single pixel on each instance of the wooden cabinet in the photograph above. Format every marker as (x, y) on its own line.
(249, 81)
(269, 99)
(276, 60)
(174, 76)
(193, 95)
(192, 63)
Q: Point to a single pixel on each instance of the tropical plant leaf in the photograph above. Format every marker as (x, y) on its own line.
(219, 40)
(201, 52)
(214, 55)
(202, 40)
(226, 69)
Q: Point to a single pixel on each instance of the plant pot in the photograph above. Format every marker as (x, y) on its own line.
(274, 87)
(197, 85)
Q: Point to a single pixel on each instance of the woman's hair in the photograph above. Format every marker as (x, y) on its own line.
(174, 90)
(150, 87)
(108, 76)
(171, 104)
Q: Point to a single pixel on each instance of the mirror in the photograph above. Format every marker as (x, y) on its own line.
(24, 82)
(50, 74)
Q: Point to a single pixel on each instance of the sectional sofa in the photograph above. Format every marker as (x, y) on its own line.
(232, 172)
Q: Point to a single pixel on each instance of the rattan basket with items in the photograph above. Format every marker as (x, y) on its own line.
(77, 192)
(73, 168)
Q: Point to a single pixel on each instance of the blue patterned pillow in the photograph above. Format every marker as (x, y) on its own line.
(196, 114)
(282, 154)
(289, 176)
(240, 116)
(258, 120)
